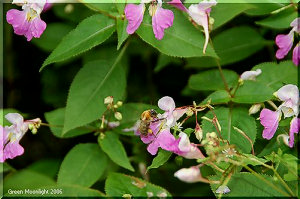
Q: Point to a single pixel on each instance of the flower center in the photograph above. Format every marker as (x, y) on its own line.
(31, 14)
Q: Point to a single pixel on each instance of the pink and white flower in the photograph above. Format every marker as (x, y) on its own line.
(27, 22)
(161, 18)
(289, 94)
(250, 75)
(200, 14)
(189, 175)
(285, 42)
(11, 135)
(187, 149)
(270, 120)
(294, 128)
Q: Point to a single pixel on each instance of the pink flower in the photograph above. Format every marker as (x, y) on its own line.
(189, 175)
(250, 75)
(11, 135)
(294, 128)
(270, 120)
(289, 94)
(285, 42)
(200, 14)
(178, 4)
(161, 18)
(187, 149)
(27, 22)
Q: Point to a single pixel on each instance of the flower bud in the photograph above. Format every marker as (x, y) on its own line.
(189, 112)
(254, 108)
(69, 8)
(223, 189)
(119, 103)
(189, 175)
(149, 194)
(34, 131)
(118, 115)
(116, 106)
(285, 139)
(127, 196)
(108, 100)
(198, 132)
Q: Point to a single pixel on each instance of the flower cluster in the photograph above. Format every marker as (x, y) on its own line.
(28, 22)
(11, 135)
(285, 43)
(289, 95)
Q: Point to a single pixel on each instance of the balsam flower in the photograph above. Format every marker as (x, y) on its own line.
(189, 175)
(294, 128)
(187, 149)
(27, 22)
(285, 42)
(289, 94)
(11, 135)
(200, 14)
(161, 18)
(250, 75)
(270, 120)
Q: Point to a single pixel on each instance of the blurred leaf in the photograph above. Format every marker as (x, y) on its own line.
(121, 30)
(119, 184)
(89, 33)
(252, 92)
(291, 163)
(232, 45)
(5, 167)
(56, 120)
(83, 165)
(95, 81)
(26, 179)
(217, 97)
(200, 62)
(52, 36)
(233, 118)
(212, 80)
(280, 20)
(252, 160)
(176, 41)
(277, 75)
(48, 167)
(106, 7)
(264, 8)
(112, 146)
(161, 158)
(164, 60)
(269, 148)
(224, 12)
(246, 184)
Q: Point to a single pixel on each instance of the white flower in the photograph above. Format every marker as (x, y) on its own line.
(250, 75)
(189, 175)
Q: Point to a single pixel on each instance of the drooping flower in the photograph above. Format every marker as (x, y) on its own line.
(11, 135)
(27, 22)
(250, 75)
(200, 14)
(285, 42)
(289, 94)
(161, 18)
(270, 120)
(189, 175)
(187, 149)
(294, 128)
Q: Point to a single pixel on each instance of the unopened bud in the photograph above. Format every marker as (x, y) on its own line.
(119, 103)
(198, 132)
(118, 115)
(108, 100)
(30, 126)
(223, 189)
(102, 136)
(254, 108)
(189, 112)
(34, 131)
(69, 8)
(127, 196)
(116, 106)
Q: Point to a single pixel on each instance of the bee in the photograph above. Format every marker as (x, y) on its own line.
(147, 117)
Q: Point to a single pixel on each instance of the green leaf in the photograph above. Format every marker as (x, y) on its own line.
(233, 118)
(52, 36)
(280, 20)
(217, 97)
(119, 184)
(48, 167)
(56, 120)
(291, 162)
(161, 158)
(74, 12)
(211, 80)
(176, 41)
(233, 45)
(252, 160)
(95, 81)
(121, 30)
(252, 92)
(89, 33)
(26, 179)
(277, 75)
(164, 60)
(73, 191)
(224, 12)
(263, 8)
(83, 165)
(248, 185)
(112, 146)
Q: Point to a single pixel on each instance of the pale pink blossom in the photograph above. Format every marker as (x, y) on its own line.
(289, 94)
(161, 20)
(250, 75)
(189, 175)
(134, 14)
(200, 14)
(187, 149)
(294, 128)
(270, 120)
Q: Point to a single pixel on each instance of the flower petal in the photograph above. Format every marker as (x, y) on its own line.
(285, 43)
(15, 118)
(134, 14)
(18, 20)
(161, 20)
(296, 25)
(12, 150)
(289, 92)
(269, 119)
(250, 75)
(294, 128)
(296, 54)
(178, 4)
(166, 103)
